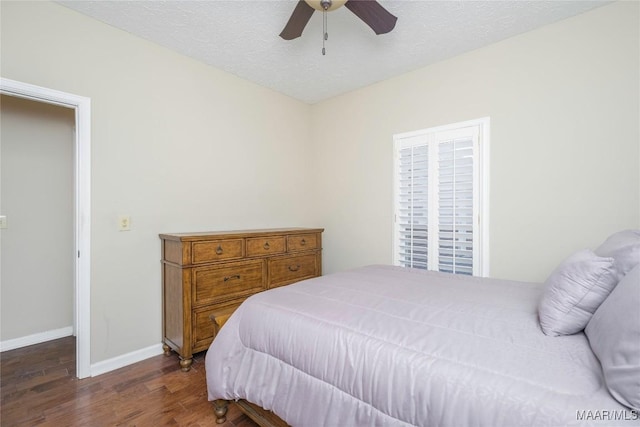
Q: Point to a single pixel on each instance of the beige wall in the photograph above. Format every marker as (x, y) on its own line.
(564, 173)
(36, 176)
(180, 146)
(177, 145)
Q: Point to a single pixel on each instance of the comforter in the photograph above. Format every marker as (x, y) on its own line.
(384, 345)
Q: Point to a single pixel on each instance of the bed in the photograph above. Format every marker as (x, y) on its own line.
(385, 345)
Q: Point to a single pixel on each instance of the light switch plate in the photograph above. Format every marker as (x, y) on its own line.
(3, 221)
(124, 223)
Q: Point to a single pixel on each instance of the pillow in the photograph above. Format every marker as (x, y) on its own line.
(614, 335)
(624, 247)
(574, 291)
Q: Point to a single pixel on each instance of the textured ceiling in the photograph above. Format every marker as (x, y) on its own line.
(241, 36)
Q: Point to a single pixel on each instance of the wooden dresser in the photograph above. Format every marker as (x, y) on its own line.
(205, 275)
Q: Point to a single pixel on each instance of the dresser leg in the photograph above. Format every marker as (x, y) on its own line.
(166, 349)
(220, 409)
(185, 364)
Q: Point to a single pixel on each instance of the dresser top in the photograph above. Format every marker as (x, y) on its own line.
(207, 235)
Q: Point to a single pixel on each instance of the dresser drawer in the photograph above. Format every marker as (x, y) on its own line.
(302, 242)
(285, 270)
(204, 330)
(225, 282)
(262, 246)
(216, 250)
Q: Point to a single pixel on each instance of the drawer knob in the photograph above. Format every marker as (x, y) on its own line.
(234, 277)
(303, 242)
(294, 268)
(219, 250)
(266, 246)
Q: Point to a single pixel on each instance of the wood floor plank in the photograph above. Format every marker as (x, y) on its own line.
(38, 388)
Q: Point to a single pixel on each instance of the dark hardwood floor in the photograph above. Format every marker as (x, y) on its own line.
(38, 387)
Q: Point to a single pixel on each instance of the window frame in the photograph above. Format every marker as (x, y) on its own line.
(432, 136)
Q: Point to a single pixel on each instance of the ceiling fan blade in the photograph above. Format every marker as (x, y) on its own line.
(299, 18)
(373, 14)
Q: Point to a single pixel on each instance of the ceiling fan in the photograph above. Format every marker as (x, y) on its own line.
(369, 11)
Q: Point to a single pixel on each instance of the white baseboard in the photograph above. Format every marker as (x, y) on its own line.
(36, 338)
(125, 360)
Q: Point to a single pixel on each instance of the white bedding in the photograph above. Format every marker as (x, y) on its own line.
(385, 345)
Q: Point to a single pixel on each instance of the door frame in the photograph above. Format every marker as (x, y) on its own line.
(82, 211)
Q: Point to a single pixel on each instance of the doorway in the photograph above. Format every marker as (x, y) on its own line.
(80, 210)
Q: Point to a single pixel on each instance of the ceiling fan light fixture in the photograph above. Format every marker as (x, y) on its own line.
(320, 4)
(370, 12)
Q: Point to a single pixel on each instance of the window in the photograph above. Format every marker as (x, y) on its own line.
(441, 194)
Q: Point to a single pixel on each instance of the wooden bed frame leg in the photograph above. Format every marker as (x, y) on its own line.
(220, 409)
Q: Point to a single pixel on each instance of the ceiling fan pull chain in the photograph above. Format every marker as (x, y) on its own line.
(325, 36)
(326, 26)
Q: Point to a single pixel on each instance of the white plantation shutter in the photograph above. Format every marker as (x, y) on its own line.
(412, 206)
(455, 205)
(438, 199)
